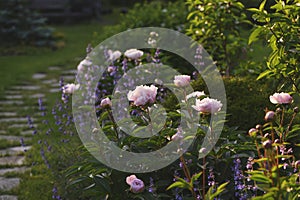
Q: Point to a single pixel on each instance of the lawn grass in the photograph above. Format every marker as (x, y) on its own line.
(16, 69)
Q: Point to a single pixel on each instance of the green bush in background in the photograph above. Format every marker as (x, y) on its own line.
(20, 25)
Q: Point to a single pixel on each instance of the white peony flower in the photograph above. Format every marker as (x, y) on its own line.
(143, 95)
(70, 88)
(195, 94)
(114, 55)
(134, 54)
(182, 80)
(84, 64)
(208, 105)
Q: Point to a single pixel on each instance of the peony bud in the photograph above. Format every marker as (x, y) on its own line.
(269, 116)
(105, 103)
(258, 127)
(267, 144)
(296, 110)
(252, 132)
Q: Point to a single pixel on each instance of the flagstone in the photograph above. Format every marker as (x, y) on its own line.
(27, 87)
(12, 151)
(11, 102)
(8, 114)
(12, 160)
(7, 184)
(15, 119)
(38, 76)
(8, 197)
(15, 96)
(14, 169)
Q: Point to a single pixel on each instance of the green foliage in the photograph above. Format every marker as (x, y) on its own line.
(280, 29)
(275, 171)
(19, 24)
(156, 13)
(217, 25)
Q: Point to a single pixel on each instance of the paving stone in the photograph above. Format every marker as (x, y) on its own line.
(7, 184)
(8, 197)
(15, 96)
(12, 160)
(38, 76)
(69, 77)
(8, 114)
(71, 71)
(12, 151)
(49, 81)
(12, 92)
(27, 87)
(11, 102)
(12, 138)
(14, 169)
(53, 68)
(27, 133)
(14, 120)
(54, 90)
(55, 85)
(36, 96)
(22, 126)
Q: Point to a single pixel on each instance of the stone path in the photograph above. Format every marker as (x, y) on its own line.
(18, 102)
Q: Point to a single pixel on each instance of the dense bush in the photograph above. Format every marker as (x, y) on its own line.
(217, 26)
(20, 25)
(279, 28)
(168, 15)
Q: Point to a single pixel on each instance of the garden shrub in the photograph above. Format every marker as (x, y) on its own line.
(20, 25)
(155, 13)
(217, 26)
(279, 28)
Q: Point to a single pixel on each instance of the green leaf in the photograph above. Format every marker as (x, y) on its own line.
(220, 189)
(262, 5)
(254, 35)
(180, 184)
(254, 10)
(195, 177)
(263, 74)
(261, 178)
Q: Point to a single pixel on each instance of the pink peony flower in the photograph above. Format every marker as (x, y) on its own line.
(133, 54)
(182, 80)
(113, 55)
(142, 95)
(105, 102)
(137, 186)
(130, 179)
(281, 98)
(70, 88)
(208, 105)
